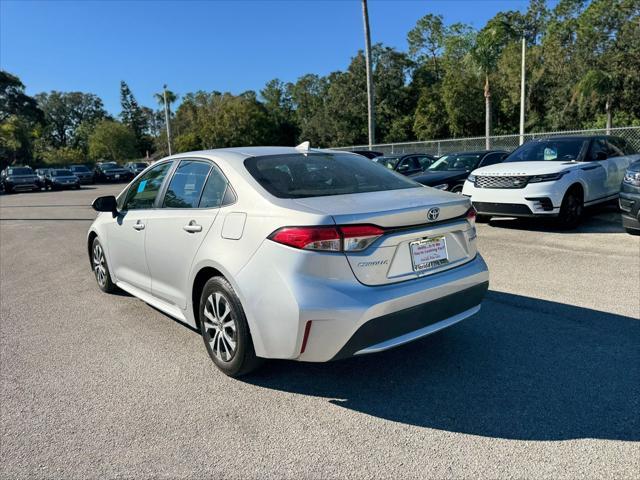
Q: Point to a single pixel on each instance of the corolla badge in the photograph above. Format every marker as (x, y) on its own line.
(433, 214)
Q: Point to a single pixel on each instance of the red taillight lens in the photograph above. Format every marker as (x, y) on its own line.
(471, 215)
(348, 238)
(309, 238)
(359, 237)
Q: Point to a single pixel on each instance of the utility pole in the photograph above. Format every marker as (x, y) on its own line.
(367, 44)
(522, 91)
(166, 117)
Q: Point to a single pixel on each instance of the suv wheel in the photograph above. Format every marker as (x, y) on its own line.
(225, 330)
(571, 209)
(100, 268)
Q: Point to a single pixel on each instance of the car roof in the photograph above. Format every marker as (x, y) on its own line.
(241, 153)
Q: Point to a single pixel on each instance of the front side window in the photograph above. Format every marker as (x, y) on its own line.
(492, 159)
(142, 193)
(186, 184)
(322, 174)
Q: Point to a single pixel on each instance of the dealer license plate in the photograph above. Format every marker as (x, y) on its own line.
(428, 253)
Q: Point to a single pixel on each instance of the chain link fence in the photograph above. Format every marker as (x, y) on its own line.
(497, 142)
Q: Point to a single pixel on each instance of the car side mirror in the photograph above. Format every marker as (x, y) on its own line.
(107, 203)
(601, 155)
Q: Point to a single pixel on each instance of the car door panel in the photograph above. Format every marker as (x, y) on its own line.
(177, 229)
(126, 237)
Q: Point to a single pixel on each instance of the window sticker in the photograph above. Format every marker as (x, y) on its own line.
(550, 153)
(141, 186)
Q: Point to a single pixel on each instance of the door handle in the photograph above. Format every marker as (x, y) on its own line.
(138, 225)
(192, 227)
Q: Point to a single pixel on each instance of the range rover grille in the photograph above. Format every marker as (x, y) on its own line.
(501, 181)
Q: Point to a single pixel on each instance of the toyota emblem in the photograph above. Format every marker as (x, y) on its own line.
(433, 214)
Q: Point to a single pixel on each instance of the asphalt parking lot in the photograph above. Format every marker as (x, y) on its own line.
(543, 383)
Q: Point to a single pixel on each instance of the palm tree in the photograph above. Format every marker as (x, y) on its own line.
(593, 88)
(485, 54)
(170, 98)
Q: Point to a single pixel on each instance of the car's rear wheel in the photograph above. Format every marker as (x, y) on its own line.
(571, 209)
(100, 268)
(225, 330)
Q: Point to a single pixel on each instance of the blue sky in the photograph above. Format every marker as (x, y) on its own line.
(231, 46)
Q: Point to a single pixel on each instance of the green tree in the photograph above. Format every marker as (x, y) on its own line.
(134, 117)
(112, 140)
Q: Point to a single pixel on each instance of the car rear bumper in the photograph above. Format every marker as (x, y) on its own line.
(283, 290)
(22, 186)
(398, 328)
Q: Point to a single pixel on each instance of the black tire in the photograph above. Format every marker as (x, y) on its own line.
(632, 231)
(457, 189)
(571, 209)
(101, 268)
(482, 218)
(224, 325)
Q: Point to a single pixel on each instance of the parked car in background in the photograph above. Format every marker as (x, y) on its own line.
(450, 171)
(19, 179)
(552, 177)
(136, 167)
(293, 253)
(40, 173)
(408, 164)
(630, 199)
(370, 154)
(84, 174)
(60, 178)
(111, 172)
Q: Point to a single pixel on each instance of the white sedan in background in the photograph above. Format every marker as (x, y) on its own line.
(290, 253)
(552, 177)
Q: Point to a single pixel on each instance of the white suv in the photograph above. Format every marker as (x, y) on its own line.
(290, 253)
(552, 177)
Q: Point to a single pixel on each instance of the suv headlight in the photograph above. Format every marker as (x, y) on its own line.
(549, 177)
(442, 186)
(471, 178)
(631, 178)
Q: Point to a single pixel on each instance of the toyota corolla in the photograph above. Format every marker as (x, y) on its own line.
(290, 253)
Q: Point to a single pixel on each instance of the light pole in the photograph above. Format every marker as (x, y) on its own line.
(367, 45)
(522, 91)
(166, 117)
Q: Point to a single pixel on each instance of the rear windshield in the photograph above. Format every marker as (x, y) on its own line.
(558, 149)
(322, 174)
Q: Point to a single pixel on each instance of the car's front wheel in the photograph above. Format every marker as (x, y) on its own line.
(225, 330)
(100, 267)
(571, 209)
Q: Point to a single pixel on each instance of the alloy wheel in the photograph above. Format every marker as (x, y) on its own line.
(220, 327)
(99, 265)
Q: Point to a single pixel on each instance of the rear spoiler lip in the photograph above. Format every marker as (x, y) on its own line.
(427, 224)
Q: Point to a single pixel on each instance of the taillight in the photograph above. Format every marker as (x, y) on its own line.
(471, 215)
(309, 238)
(359, 237)
(347, 238)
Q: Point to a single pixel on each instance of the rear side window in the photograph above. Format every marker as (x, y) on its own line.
(186, 184)
(321, 174)
(214, 191)
(492, 159)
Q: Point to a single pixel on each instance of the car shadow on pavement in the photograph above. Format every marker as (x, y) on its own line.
(597, 219)
(523, 368)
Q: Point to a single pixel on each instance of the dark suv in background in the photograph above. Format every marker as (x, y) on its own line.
(407, 164)
(19, 178)
(84, 174)
(111, 172)
(136, 167)
(450, 171)
(630, 199)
